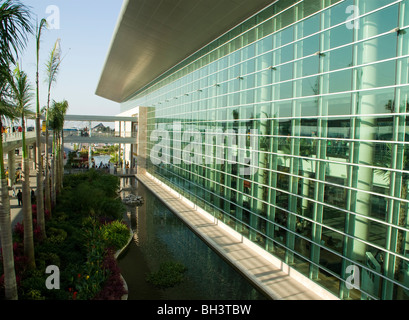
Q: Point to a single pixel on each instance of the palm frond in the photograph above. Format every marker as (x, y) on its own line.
(384, 160)
(21, 91)
(40, 27)
(53, 63)
(57, 113)
(43, 24)
(15, 27)
(8, 110)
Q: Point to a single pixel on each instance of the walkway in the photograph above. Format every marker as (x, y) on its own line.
(16, 212)
(275, 282)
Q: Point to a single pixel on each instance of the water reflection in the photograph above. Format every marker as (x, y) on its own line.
(161, 237)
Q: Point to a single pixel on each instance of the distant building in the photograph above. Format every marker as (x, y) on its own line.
(99, 128)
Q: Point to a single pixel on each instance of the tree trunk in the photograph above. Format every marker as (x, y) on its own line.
(53, 169)
(40, 186)
(62, 162)
(10, 284)
(47, 169)
(58, 169)
(27, 211)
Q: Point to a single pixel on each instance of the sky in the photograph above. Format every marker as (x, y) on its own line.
(85, 29)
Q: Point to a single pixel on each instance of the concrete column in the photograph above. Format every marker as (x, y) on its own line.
(365, 151)
(89, 147)
(264, 143)
(119, 145)
(142, 140)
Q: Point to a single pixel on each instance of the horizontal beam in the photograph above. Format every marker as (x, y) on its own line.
(91, 140)
(70, 117)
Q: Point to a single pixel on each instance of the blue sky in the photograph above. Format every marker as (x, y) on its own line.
(85, 28)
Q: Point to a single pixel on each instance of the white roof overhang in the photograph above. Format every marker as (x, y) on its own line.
(152, 36)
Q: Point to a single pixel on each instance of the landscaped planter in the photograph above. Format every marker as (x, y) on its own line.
(83, 237)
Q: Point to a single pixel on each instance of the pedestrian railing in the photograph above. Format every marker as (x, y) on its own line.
(118, 171)
(16, 136)
(115, 134)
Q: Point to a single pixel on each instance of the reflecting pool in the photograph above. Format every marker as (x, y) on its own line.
(160, 236)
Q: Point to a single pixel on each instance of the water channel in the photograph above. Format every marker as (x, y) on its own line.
(160, 236)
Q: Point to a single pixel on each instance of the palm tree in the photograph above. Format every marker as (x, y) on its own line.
(39, 168)
(384, 160)
(14, 28)
(21, 95)
(52, 68)
(5, 220)
(56, 118)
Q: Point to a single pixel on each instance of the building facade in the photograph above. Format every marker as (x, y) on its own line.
(291, 129)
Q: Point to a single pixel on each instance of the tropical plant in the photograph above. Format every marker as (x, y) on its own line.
(56, 123)
(384, 160)
(21, 95)
(39, 163)
(14, 29)
(170, 273)
(115, 234)
(5, 221)
(387, 157)
(52, 68)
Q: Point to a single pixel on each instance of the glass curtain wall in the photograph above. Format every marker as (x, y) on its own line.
(291, 129)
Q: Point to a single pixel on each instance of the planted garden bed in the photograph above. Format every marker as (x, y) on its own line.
(83, 234)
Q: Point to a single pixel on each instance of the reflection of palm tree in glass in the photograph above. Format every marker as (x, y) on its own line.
(384, 161)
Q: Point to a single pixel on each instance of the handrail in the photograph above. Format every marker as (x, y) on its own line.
(118, 171)
(124, 134)
(16, 136)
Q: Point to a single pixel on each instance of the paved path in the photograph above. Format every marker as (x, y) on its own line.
(16, 211)
(274, 281)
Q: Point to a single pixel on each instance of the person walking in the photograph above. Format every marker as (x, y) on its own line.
(20, 197)
(33, 197)
(14, 191)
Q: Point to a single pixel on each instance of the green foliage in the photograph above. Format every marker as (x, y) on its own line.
(34, 295)
(92, 193)
(112, 208)
(33, 287)
(169, 274)
(44, 259)
(55, 235)
(115, 234)
(78, 241)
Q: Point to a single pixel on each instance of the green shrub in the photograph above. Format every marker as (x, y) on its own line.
(77, 239)
(44, 259)
(60, 216)
(34, 295)
(115, 234)
(33, 287)
(170, 274)
(56, 235)
(112, 208)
